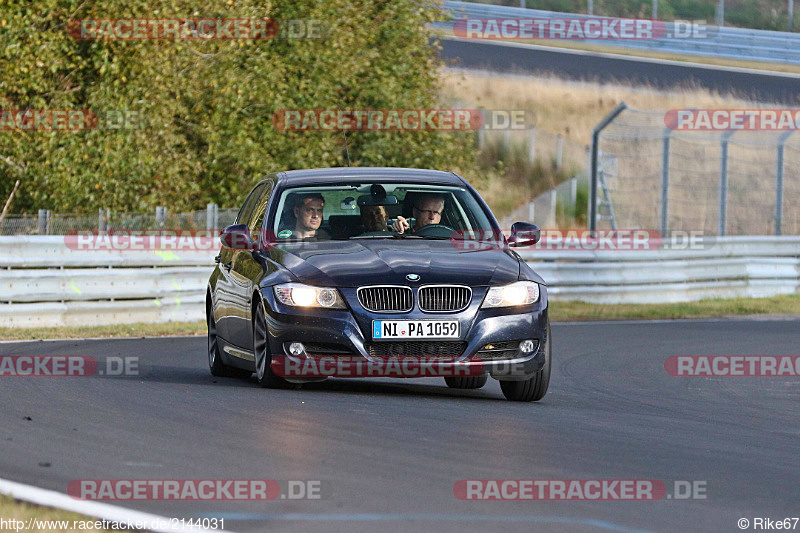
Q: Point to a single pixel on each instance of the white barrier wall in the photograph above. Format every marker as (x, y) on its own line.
(45, 283)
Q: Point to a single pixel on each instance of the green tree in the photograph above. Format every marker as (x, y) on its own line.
(206, 105)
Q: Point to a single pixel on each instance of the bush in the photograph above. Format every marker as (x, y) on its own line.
(207, 105)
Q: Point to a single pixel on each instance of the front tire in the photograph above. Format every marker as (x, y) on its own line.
(264, 374)
(533, 389)
(474, 382)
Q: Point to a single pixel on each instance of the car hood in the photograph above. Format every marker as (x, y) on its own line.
(356, 263)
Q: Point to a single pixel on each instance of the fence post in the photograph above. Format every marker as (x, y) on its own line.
(531, 212)
(665, 182)
(721, 13)
(161, 216)
(573, 195)
(532, 146)
(101, 219)
(211, 216)
(559, 151)
(723, 182)
(588, 182)
(44, 216)
(551, 221)
(595, 153)
(779, 183)
(591, 7)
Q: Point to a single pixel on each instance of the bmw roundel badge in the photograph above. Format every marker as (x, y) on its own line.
(412, 277)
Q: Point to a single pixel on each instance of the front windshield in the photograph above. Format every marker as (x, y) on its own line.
(366, 210)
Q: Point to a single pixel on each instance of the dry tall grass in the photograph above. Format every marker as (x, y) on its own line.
(572, 109)
(568, 107)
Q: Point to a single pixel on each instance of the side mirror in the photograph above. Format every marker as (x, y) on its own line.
(237, 237)
(524, 234)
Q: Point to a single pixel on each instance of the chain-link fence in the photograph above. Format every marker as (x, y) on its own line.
(725, 182)
(46, 223)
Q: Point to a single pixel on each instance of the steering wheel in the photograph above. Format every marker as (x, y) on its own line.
(435, 230)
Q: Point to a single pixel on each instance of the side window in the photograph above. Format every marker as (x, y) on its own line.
(257, 219)
(249, 205)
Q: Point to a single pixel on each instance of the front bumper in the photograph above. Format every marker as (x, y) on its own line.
(346, 334)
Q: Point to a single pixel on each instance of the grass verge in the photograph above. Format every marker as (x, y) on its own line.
(11, 509)
(172, 329)
(559, 312)
(580, 311)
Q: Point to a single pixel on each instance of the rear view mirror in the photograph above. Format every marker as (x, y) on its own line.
(372, 200)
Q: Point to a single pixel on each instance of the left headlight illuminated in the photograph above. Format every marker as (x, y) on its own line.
(299, 295)
(515, 294)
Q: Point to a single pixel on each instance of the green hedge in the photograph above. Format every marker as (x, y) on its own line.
(206, 105)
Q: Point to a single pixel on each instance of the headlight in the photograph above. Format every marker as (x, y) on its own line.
(519, 293)
(299, 295)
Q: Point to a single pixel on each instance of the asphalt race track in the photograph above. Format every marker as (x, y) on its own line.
(611, 68)
(390, 451)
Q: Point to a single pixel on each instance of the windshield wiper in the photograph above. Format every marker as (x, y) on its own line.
(426, 237)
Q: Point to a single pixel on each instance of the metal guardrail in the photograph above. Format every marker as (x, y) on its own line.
(119, 287)
(45, 283)
(725, 42)
(728, 267)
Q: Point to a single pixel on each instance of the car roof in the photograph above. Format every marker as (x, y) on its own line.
(372, 174)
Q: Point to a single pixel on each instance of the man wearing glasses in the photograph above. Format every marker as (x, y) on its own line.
(427, 210)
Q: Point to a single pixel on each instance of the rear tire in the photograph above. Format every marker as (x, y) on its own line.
(475, 382)
(264, 374)
(215, 364)
(533, 389)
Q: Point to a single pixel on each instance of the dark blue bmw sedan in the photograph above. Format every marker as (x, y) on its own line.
(376, 272)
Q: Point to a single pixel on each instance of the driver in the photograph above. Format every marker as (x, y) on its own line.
(427, 210)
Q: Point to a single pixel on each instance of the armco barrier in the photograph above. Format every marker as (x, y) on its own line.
(732, 43)
(44, 283)
(723, 267)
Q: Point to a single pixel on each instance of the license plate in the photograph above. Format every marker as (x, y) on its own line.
(415, 329)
